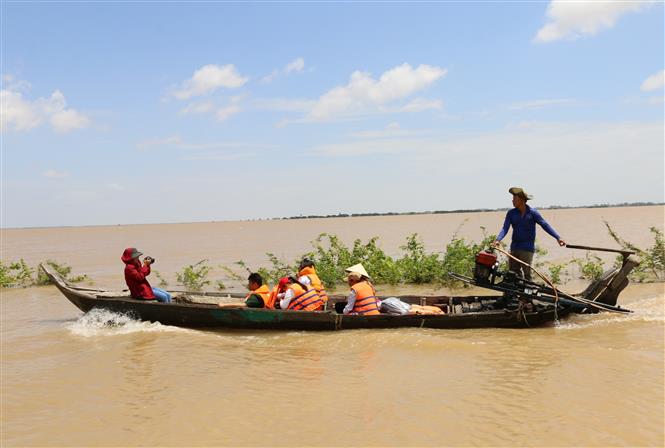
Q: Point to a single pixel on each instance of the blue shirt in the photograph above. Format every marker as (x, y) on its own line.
(524, 228)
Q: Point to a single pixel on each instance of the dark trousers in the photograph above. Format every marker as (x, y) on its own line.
(519, 268)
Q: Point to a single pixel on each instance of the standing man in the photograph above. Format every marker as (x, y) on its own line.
(523, 219)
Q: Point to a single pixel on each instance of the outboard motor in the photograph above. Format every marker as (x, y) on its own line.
(486, 267)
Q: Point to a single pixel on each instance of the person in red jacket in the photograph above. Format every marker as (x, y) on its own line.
(135, 277)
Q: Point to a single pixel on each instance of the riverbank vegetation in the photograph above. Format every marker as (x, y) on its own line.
(414, 265)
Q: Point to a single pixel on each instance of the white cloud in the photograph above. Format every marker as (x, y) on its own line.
(271, 77)
(574, 19)
(532, 140)
(297, 65)
(209, 78)
(284, 104)
(16, 113)
(656, 100)
(654, 82)
(11, 83)
(68, 120)
(198, 108)
(214, 156)
(541, 104)
(364, 93)
(166, 141)
(192, 151)
(115, 187)
(224, 113)
(20, 114)
(391, 131)
(422, 104)
(54, 174)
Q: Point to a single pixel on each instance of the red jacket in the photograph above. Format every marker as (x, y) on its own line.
(135, 277)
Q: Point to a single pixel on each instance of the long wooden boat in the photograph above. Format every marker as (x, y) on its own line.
(187, 311)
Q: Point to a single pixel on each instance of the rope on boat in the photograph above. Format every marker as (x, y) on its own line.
(582, 300)
(522, 313)
(556, 292)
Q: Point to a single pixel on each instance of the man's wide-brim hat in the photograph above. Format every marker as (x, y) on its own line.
(357, 269)
(519, 191)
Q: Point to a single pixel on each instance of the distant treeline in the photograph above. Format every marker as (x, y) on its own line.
(475, 210)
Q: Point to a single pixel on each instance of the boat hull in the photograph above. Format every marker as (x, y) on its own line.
(198, 315)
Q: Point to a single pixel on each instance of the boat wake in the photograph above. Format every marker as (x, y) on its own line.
(651, 309)
(99, 322)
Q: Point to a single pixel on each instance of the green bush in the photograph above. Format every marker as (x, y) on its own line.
(555, 271)
(14, 274)
(460, 258)
(381, 267)
(417, 266)
(591, 267)
(194, 276)
(61, 268)
(277, 270)
(162, 281)
(652, 259)
(18, 273)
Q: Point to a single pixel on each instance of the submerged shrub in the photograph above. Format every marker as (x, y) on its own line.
(417, 266)
(460, 257)
(555, 271)
(162, 281)
(591, 267)
(652, 259)
(194, 276)
(14, 274)
(277, 270)
(18, 273)
(61, 268)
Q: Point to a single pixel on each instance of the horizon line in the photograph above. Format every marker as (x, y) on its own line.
(348, 215)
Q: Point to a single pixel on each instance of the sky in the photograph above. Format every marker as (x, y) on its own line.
(156, 112)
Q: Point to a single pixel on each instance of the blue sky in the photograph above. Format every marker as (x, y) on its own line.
(174, 112)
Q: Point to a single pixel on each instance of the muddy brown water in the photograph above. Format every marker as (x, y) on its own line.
(102, 379)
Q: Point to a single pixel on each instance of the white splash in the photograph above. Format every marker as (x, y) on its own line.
(650, 309)
(99, 322)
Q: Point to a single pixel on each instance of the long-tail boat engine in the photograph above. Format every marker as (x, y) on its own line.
(486, 267)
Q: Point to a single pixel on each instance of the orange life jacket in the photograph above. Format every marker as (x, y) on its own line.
(304, 300)
(366, 300)
(272, 297)
(263, 292)
(316, 281)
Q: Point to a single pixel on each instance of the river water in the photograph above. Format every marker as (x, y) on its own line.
(102, 379)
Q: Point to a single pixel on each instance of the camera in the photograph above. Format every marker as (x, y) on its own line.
(149, 260)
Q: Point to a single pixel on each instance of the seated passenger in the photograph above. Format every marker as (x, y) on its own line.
(297, 296)
(259, 295)
(135, 277)
(362, 299)
(308, 276)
